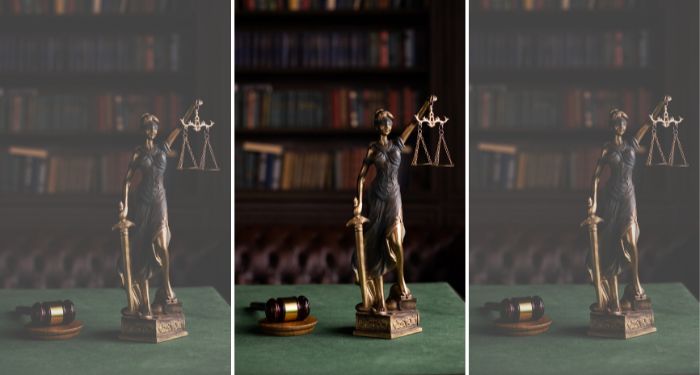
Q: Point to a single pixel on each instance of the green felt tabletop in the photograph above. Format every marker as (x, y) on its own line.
(332, 349)
(566, 348)
(97, 350)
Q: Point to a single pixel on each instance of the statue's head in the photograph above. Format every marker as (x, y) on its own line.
(383, 121)
(149, 124)
(618, 121)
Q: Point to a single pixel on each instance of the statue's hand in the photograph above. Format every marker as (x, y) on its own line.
(123, 211)
(357, 207)
(592, 206)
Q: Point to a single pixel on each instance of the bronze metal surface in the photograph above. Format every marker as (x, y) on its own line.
(391, 325)
(525, 310)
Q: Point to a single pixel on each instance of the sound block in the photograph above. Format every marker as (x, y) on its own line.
(59, 332)
(295, 328)
(530, 328)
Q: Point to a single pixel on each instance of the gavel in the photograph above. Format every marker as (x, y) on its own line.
(49, 313)
(285, 309)
(518, 309)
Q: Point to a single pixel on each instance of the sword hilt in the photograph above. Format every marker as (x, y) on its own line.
(123, 225)
(592, 220)
(357, 221)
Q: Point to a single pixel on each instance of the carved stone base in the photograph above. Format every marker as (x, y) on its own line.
(162, 327)
(394, 324)
(629, 324)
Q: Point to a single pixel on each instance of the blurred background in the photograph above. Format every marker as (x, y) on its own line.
(543, 76)
(75, 77)
(308, 77)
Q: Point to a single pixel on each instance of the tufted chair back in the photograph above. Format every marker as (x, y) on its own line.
(289, 254)
(536, 254)
(76, 259)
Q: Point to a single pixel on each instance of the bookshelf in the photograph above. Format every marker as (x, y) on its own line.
(585, 57)
(76, 75)
(385, 55)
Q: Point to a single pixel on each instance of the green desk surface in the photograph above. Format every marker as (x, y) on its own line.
(332, 349)
(97, 350)
(566, 348)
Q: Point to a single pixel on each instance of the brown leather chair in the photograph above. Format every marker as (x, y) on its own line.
(535, 254)
(74, 259)
(288, 254)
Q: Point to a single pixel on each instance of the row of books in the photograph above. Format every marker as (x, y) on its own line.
(33, 111)
(348, 49)
(89, 7)
(270, 167)
(89, 53)
(563, 5)
(547, 49)
(504, 107)
(31, 170)
(326, 5)
(262, 106)
(506, 167)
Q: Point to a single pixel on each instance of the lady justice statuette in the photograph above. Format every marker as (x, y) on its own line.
(614, 231)
(145, 253)
(379, 248)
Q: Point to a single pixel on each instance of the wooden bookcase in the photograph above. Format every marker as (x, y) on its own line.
(431, 196)
(665, 196)
(200, 199)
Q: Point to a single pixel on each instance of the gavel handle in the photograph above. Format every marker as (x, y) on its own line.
(257, 306)
(23, 310)
(492, 306)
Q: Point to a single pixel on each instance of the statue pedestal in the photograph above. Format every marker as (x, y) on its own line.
(166, 324)
(404, 320)
(636, 320)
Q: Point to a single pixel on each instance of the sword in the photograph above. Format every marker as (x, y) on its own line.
(356, 222)
(123, 227)
(592, 222)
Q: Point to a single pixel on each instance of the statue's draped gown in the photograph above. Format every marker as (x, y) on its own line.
(617, 207)
(150, 210)
(382, 208)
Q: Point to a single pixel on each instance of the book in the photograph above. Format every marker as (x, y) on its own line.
(334, 49)
(40, 171)
(39, 112)
(107, 53)
(264, 106)
(517, 107)
(271, 167)
(572, 49)
(501, 166)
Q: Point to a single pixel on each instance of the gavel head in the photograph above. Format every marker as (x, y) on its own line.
(53, 313)
(287, 309)
(520, 309)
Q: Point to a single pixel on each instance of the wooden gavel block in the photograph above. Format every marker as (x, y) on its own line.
(287, 316)
(520, 316)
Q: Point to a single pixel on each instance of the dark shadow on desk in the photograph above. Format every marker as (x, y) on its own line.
(343, 331)
(480, 322)
(576, 331)
(16, 334)
(19, 332)
(484, 328)
(253, 326)
(250, 329)
(108, 335)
